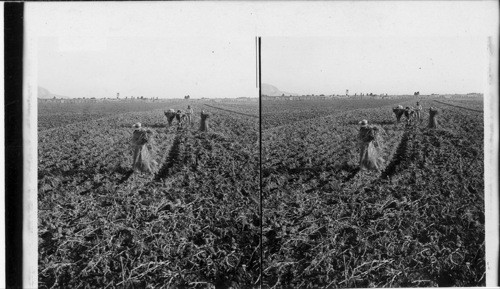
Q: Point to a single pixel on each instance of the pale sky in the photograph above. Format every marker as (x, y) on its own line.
(164, 49)
(137, 33)
(149, 67)
(393, 65)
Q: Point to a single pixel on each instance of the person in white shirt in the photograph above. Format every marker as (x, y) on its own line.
(418, 109)
(189, 113)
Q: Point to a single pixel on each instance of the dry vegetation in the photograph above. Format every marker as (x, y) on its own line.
(193, 224)
(196, 222)
(419, 223)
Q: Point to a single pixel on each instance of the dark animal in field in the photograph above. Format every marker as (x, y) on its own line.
(170, 114)
(180, 116)
(398, 111)
(409, 113)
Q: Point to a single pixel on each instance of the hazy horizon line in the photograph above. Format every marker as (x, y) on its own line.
(123, 96)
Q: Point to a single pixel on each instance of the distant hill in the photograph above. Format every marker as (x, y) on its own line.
(45, 93)
(271, 90)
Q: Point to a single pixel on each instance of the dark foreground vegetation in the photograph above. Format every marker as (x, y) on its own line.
(195, 223)
(419, 223)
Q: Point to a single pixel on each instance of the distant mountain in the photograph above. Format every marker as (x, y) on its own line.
(45, 93)
(271, 90)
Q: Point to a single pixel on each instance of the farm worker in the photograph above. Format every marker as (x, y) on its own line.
(170, 114)
(409, 112)
(433, 112)
(204, 121)
(142, 160)
(180, 116)
(189, 113)
(369, 147)
(418, 109)
(398, 111)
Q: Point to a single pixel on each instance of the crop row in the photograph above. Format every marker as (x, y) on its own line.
(250, 107)
(472, 103)
(51, 115)
(325, 144)
(420, 225)
(193, 223)
(196, 222)
(277, 113)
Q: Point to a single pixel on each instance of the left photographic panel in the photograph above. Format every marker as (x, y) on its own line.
(147, 152)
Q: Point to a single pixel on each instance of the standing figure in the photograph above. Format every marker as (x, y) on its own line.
(170, 114)
(189, 113)
(433, 112)
(142, 160)
(418, 109)
(369, 147)
(204, 121)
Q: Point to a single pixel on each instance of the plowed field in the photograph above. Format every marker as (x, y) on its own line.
(420, 222)
(195, 223)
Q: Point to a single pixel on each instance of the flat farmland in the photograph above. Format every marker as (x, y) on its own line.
(419, 223)
(195, 223)
(245, 107)
(55, 114)
(277, 113)
(470, 104)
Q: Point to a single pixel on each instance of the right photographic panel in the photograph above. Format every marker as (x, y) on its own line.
(373, 161)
